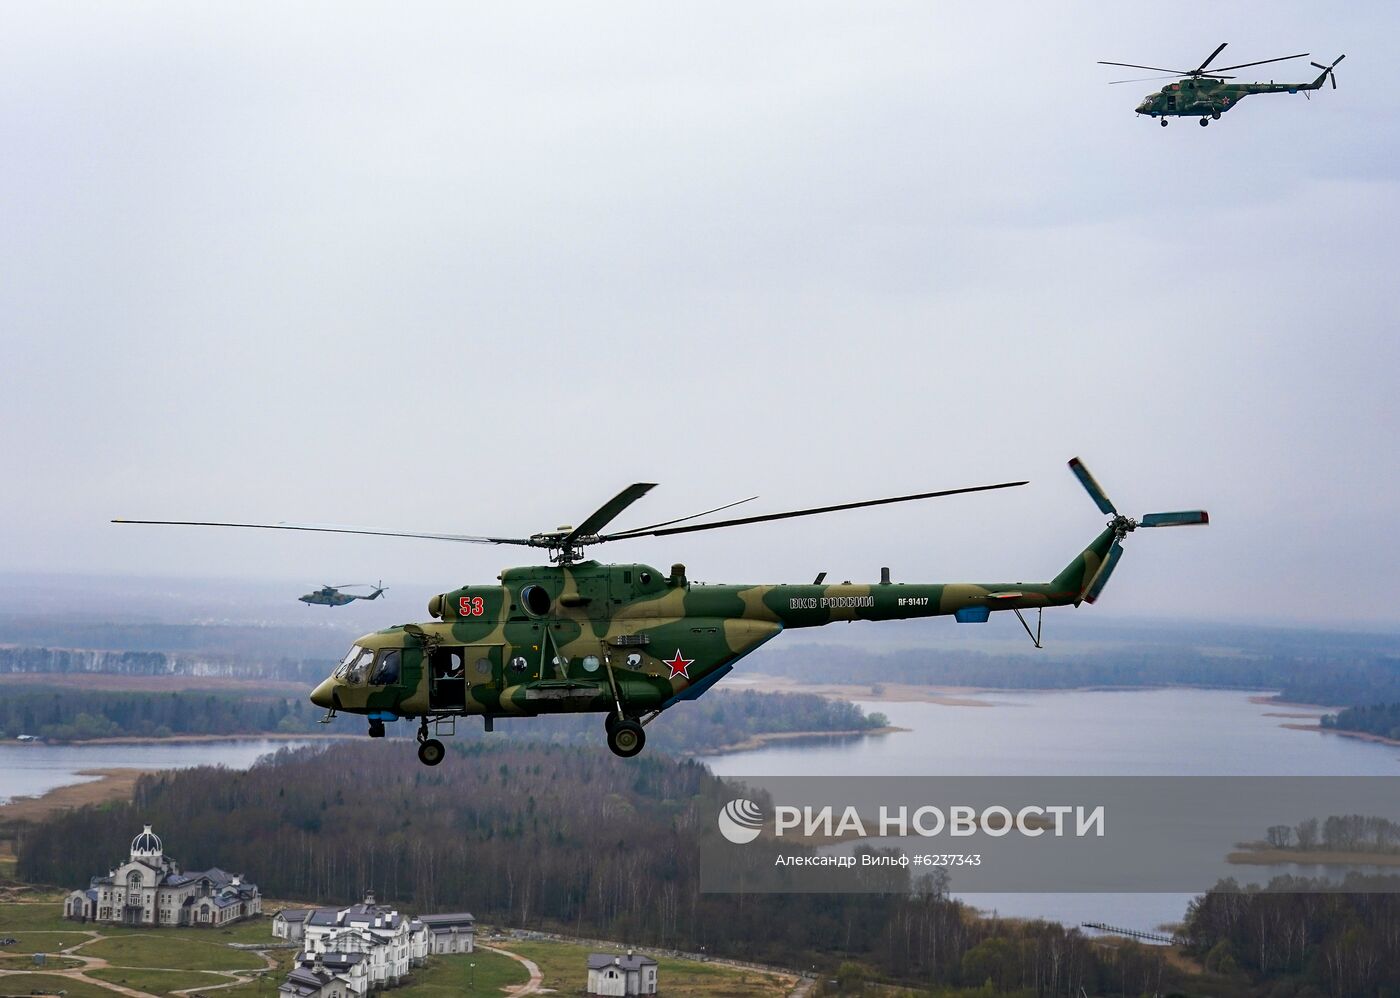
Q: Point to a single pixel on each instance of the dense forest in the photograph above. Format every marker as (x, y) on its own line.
(719, 719)
(1379, 719)
(555, 837)
(1295, 943)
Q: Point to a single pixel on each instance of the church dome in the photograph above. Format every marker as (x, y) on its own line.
(147, 843)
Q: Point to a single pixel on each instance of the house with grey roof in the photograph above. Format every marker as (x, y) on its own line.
(150, 889)
(454, 932)
(327, 975)
(617, 976)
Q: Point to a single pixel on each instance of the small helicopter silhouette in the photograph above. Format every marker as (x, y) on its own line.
(332, 595)
(1205, 93)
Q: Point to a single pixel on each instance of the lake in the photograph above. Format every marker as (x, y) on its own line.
(1170, 732)
(31, 769)
(1077, 732)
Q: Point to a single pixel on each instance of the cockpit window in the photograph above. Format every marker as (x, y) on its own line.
(353, 666)
(387, 673)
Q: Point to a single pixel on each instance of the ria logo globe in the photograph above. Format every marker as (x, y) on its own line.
(740, 821)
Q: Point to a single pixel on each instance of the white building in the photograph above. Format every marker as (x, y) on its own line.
(329, 975)
(150, 889)
(450, 933)
(621, 976)
(383, 943)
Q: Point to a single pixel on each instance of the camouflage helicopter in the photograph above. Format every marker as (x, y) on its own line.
(1198, 92)
(332, 595)
(629, 641)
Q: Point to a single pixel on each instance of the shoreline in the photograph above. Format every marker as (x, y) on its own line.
(111, 784)
(270, 736)
(1364, 736)
(1320, 857)
(758, 741)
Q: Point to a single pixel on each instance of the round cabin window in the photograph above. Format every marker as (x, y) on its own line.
(535, 600)
(519, 664)
(483, 666)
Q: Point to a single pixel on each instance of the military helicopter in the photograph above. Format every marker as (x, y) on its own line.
(631, 642)
(332, 595)
(1198, 92)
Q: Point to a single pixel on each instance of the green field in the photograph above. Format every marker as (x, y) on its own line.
(453, 976)
(188, 949)
(158, 982)
(565, 969)
(39, 941)
(18, 915)
(23, 984)
(25, 961)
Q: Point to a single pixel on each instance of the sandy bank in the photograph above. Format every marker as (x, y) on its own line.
(113, 784)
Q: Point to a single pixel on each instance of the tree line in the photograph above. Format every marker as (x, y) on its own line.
(719, 719)
(1378, 719)
(555, 838)
(1317, 676)
(1290, 941)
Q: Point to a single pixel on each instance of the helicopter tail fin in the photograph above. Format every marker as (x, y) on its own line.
(1073, 584)
(378, 590)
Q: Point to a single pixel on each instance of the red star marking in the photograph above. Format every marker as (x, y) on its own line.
(679, 665)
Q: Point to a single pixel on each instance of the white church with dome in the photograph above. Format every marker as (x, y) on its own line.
(151, 889)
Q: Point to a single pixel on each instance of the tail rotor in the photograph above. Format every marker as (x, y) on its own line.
(1122, 525)
(1327, 71)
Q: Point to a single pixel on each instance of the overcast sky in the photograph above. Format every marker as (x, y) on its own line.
(473, 268)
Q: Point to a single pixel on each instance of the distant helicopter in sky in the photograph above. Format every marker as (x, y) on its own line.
(1205, 93)
(332, 595)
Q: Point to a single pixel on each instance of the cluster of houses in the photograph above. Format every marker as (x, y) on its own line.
(348, 952)
(151, 889)
(343, 952)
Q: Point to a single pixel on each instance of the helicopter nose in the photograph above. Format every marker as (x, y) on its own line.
(323, 695)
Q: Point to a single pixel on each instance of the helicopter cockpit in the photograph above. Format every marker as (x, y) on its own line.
(365, 665)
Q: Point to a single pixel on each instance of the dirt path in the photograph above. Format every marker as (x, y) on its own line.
(804, 985)
(232, 978)
(536, 977)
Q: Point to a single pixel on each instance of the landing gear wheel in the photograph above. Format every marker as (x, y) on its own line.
(430, 752)
(626, 738)
(1205, 122)
(610, 723)
(1215, 115)
(376, 729)
(1164, 123)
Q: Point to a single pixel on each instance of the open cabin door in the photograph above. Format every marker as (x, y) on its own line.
(453, 670)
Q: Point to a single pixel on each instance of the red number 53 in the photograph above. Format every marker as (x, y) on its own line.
(471, 606)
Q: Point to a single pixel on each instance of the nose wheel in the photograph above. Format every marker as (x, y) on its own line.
(1164, 122)
(625, 736)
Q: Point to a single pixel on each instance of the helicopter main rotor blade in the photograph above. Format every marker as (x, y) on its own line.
(1144, 79)
(1202, 66)
(692, 516)
(799, 512)
(1261, 62)
(327, 529)
(1155, 69)
(608, 512)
